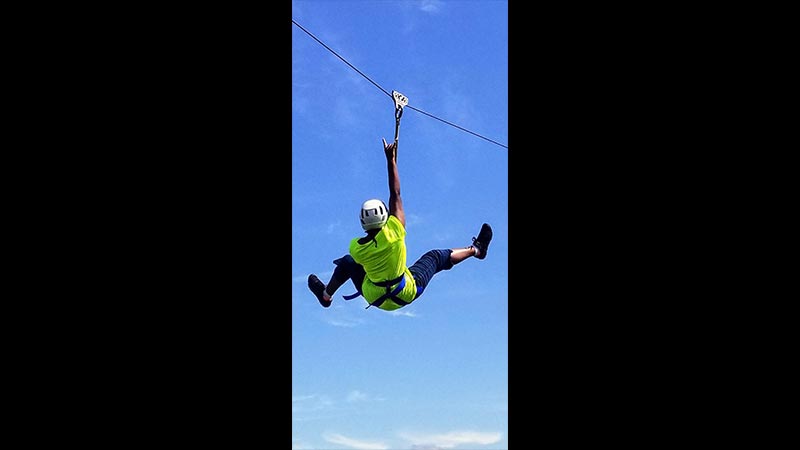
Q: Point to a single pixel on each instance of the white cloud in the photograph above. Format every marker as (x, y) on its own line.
(442, 237)
(358, 396)
(430, 6)
(333, 226)
(355, 396)
(344, 322)
(402, 312)
(300, 279)
(357, 444)
(413, 219)
(451, 439)
(342, 314)
(309, 403)
(321, 275)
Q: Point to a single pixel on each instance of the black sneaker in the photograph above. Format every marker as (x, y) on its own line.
(482, 241)
(317, 287)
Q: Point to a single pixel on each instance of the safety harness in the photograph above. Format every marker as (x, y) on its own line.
(390, 293)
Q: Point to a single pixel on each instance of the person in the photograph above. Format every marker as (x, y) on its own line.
(376, 263)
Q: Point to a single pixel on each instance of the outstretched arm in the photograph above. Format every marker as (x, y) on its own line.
(395, 202)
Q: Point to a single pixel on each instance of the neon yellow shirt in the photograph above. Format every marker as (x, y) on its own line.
(384, 258)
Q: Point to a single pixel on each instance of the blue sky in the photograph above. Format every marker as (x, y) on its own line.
(432, 375)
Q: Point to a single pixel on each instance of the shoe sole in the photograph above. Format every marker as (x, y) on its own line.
(489, 234)
(312, 278)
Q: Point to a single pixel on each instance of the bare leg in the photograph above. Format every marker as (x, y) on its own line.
(460, 254)
(477, 249)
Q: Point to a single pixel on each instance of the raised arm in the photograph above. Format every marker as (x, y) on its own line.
(395, 201)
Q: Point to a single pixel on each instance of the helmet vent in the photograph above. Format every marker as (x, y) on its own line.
(374, 214)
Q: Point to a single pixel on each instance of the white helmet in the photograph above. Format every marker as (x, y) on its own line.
(374, 214)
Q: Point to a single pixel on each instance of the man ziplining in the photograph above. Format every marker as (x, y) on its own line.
(376, 263)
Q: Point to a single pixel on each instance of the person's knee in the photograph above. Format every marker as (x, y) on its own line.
(347, 267)
(344, 260)
(443, 258)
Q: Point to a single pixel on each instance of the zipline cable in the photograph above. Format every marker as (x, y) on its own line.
(454, 125)
(345, 61)
(390, 95)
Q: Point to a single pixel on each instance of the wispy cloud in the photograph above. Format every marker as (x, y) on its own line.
(413, 219)
(354, 443)
(324, 276)
(333, 226)
(431, 6)
(444, 237)
(344, 322)
(358, 396)
(341, 314)
(308, 403)
(402, 312)
(451, 439)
